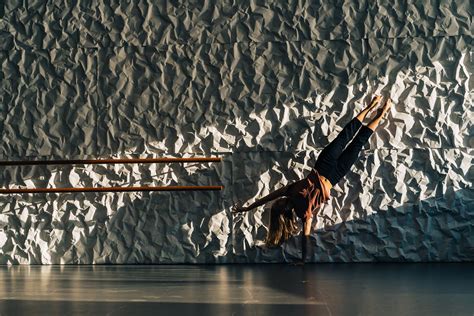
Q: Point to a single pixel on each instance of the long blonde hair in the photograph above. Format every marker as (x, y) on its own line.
(283, 223)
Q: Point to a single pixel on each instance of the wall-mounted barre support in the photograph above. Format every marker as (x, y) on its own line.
(113, 189)
(109, 161)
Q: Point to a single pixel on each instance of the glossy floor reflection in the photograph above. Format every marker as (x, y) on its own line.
(266, 289)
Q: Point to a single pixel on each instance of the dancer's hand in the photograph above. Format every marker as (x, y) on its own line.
(298, 263)
(239, 208)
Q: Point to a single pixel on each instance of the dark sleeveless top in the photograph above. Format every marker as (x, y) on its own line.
(307, 194)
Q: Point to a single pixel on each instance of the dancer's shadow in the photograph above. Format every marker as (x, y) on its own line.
(432, 229)
(436, 229)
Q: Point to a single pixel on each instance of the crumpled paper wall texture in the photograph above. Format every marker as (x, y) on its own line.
(265, 87)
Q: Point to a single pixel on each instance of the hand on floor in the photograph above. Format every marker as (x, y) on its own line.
(297, 263)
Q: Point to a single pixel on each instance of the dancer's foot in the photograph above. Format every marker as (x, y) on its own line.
(386, 108)
(362, 115)
(375, 122)
(375, 101)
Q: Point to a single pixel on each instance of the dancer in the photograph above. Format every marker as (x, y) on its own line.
(303, 198)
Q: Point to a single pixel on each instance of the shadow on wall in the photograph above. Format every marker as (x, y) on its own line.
(440, 228)
(70, 219)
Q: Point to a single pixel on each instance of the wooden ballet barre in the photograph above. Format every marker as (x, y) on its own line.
(108, 161)
(114, 189)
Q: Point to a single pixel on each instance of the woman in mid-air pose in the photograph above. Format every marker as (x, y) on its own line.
(304, 197)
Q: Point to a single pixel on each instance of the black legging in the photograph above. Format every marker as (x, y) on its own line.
(333, 163)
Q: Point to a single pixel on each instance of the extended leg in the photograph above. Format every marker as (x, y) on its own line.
(351, 153)
(334, 149)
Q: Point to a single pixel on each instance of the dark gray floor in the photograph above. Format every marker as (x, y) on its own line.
(316, 289)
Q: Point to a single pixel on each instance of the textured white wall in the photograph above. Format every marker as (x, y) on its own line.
(265, 86)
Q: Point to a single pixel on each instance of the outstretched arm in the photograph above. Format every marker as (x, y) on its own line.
(269, 197)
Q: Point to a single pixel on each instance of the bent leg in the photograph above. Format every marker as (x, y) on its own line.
(351, 153)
